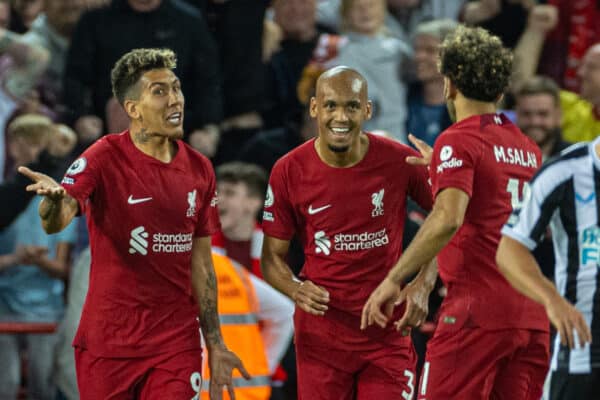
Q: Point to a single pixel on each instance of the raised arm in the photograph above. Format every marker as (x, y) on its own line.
(57, 209)
(221, 361)
(309, 297)
(542, 18)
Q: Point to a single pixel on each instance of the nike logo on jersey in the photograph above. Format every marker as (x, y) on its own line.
(313, 211)
(131, 200)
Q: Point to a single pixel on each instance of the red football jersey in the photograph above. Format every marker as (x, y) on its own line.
(350, 220)
(142, 215)
(491, 160)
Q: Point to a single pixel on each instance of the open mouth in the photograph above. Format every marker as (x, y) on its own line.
(340, 132)
(175, 118)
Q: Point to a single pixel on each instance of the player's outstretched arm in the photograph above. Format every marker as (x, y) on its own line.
(440, 225)
(57, 209)
(309, 297)
(221, 361)
(416, 295)
(520, 268)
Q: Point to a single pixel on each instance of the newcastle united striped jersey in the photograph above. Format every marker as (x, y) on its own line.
(564, 195)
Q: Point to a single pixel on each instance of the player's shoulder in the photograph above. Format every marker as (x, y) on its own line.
(195, 158)
(563, 165)
(386, 147)
(106, 146)
(296, 157)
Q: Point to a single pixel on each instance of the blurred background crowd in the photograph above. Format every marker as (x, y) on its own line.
(248, 69)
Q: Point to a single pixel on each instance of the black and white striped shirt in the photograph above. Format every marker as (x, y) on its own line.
(564, 195)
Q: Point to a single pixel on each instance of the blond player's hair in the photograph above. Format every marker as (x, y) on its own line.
(128, 70)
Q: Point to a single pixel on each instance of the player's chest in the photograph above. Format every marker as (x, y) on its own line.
(349, 202)
(151, 194)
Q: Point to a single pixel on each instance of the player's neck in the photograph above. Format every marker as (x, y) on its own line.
(346, 159)
(159, 147)
(466, 108)
(240, 232)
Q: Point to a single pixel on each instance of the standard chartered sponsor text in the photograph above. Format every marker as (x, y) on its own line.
(171, 243)
(360, 241)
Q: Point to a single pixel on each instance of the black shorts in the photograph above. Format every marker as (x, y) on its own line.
(565, 386)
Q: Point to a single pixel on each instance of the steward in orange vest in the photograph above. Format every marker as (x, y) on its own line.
(237, 307)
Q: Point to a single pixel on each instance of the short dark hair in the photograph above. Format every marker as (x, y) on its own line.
(254, 176)
(128, 69)
(539, 85)
(476, 62)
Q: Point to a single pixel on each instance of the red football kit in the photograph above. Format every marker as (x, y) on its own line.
(350, 222)
(142, 216)
(490, 339)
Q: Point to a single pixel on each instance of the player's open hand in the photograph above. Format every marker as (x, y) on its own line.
(416, 297)
(566, 319)
(222, 362)
(43, 185)
(385, 296)
(311, 298)
(425, 150)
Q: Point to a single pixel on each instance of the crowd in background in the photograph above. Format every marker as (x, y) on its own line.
(248, 69)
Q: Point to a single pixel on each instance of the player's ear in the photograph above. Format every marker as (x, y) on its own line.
(449, 89)
(313, 107)
(131, 108)
(369, 110)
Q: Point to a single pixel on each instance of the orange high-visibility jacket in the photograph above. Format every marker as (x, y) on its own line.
(239, 324)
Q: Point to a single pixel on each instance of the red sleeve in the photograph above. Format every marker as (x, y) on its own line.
(453, 163)
(278, 215)
(419, 187)
(82, 177)
(208, 218)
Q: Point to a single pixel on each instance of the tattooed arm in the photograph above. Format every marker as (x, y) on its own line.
(221, 361)
(30, 62)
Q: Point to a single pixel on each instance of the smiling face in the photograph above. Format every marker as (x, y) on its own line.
(340, 108)
(159, 108)
(538, 116)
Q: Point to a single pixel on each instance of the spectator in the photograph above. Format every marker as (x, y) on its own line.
(268, 146)
(52, 30)
(33, 266)
(263, 336)
(427, 112)
(238, 30)
(241, 188)
(4, 14)
(402, 16)
(50, 161)
(297, 20)
(19, 73)
(580, 121)
(141, 23)
(379, 58)
(539, 117)
(539, 114)
(23, 13)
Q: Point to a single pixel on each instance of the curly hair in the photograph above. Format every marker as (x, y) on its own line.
(476, 62)
(128, 69)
